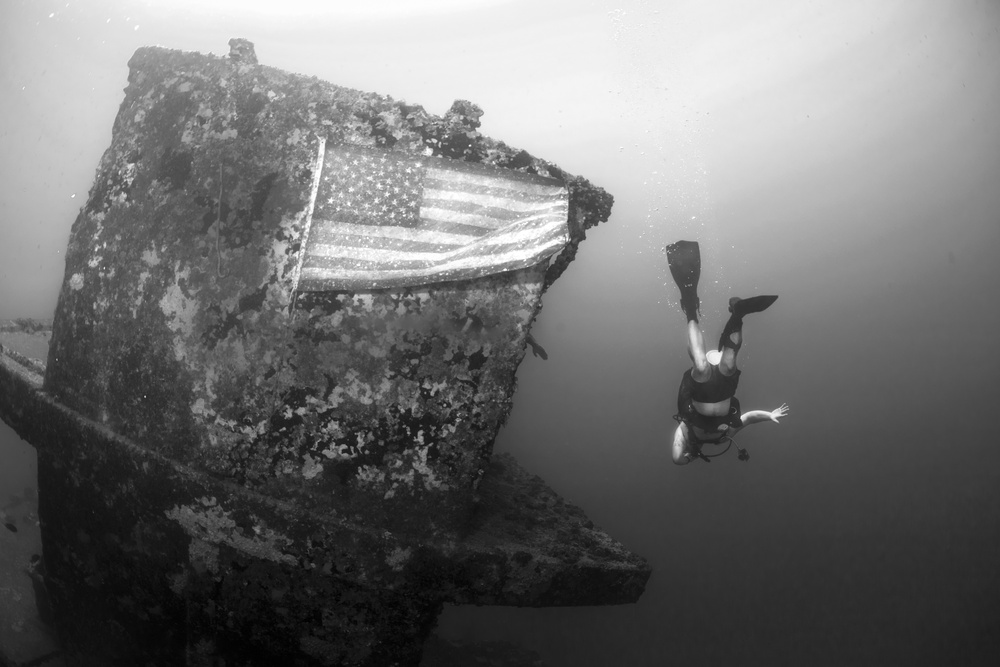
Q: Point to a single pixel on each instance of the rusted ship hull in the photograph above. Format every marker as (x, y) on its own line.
(232, 468)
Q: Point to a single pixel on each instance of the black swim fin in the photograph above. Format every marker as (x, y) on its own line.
(684, 258)
(740, 307)
(755, 304)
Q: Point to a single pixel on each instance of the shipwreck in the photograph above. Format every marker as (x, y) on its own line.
(266, 420)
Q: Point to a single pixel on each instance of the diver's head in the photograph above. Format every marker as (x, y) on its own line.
(714, 357)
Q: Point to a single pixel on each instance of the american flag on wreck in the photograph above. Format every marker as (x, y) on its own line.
(391, 219)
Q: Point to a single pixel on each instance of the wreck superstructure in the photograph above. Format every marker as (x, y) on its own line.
(234, 468)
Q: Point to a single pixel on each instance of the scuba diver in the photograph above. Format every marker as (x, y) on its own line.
(708, 411)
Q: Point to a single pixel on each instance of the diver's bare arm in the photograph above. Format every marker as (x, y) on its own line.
(757, 416)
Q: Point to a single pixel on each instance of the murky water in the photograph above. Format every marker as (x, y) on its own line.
(842, 155)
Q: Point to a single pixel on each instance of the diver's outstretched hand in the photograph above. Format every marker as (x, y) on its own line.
(780, 412)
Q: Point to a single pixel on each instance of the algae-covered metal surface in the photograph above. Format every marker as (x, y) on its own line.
(25, 639)
(178, 323)
(231, 469)
(170, 561)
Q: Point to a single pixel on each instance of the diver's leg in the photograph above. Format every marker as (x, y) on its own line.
(731, 339)
(684, 258)
(696, 350)
(730, 346)
(679, 449)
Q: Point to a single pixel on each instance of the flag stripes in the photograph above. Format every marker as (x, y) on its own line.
(385, 219)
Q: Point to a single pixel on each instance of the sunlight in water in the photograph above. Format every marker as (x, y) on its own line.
(296, 10)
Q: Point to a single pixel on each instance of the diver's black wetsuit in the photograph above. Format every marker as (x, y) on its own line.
(717, 388)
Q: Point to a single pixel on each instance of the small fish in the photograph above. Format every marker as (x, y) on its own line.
(536, 349)
(11, 527)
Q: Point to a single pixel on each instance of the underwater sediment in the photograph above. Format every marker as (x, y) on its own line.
(233, 467)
